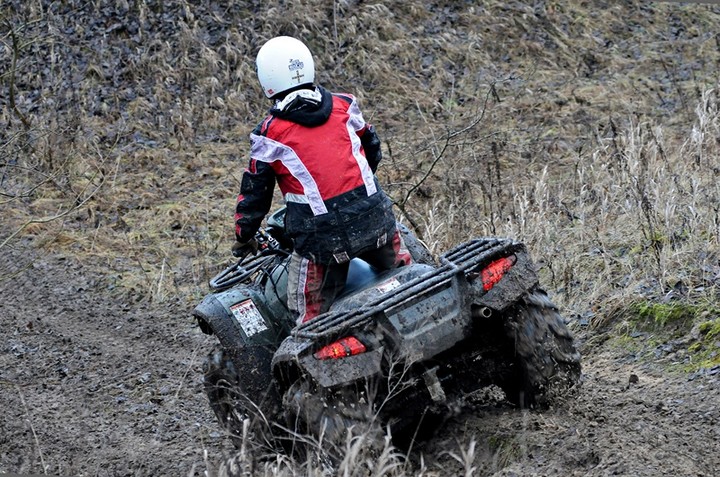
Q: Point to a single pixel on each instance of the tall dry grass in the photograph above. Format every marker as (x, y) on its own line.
(637, 215)
(361, 458)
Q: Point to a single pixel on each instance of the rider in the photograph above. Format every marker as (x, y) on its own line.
(323, 155)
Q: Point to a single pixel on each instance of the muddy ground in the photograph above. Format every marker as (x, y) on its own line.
(94, 386)
(91, 386)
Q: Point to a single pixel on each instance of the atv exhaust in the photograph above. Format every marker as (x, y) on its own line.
(482, 312)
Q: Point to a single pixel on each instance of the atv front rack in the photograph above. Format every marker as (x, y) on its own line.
(463, 258)
(241, 271)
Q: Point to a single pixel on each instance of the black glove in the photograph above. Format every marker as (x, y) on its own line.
(241, 249)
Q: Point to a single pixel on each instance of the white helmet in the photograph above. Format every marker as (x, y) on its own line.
(284, 63)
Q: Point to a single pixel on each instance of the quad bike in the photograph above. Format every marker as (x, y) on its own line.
(397, 349)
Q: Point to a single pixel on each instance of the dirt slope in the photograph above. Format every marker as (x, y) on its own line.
(93, 386)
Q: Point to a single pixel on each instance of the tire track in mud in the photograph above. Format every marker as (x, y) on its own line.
(94, 386)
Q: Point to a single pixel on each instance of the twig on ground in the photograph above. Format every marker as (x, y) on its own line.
(32, 429)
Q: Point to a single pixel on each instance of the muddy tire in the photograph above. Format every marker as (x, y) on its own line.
(234, 404)
(333, 419)
(545, 352)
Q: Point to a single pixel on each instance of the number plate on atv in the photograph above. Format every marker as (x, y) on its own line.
(248, 317)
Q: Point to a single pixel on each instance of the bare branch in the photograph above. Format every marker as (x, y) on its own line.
(11, 79)
(437, 156)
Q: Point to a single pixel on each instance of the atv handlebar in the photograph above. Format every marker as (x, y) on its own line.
(250, 262)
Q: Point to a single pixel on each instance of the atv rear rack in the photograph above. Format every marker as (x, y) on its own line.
(461, 259)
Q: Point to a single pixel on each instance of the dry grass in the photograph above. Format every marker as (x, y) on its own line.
(587, 131)
(362, 458)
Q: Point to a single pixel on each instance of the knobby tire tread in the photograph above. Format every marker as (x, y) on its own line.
(545, 350)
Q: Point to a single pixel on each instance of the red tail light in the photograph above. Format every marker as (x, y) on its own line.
(342, 348)
(494, 272)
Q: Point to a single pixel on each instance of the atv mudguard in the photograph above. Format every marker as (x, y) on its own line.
(239, 318)
(247, 334)
(516, 282)
(294, 355)
(242, 317)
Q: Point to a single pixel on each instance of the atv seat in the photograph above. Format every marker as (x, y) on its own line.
(360, 274)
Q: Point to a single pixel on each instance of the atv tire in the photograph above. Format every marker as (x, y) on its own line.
(233, 403)
(334, 419)
(545, 352)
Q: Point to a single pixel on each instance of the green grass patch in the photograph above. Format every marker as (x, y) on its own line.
(685, 336)
(705, 350)
(654, 316)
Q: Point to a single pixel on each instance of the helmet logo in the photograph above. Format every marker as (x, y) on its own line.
(298, 76)
(296, 65)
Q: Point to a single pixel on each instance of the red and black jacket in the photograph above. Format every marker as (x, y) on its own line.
(323, 157)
